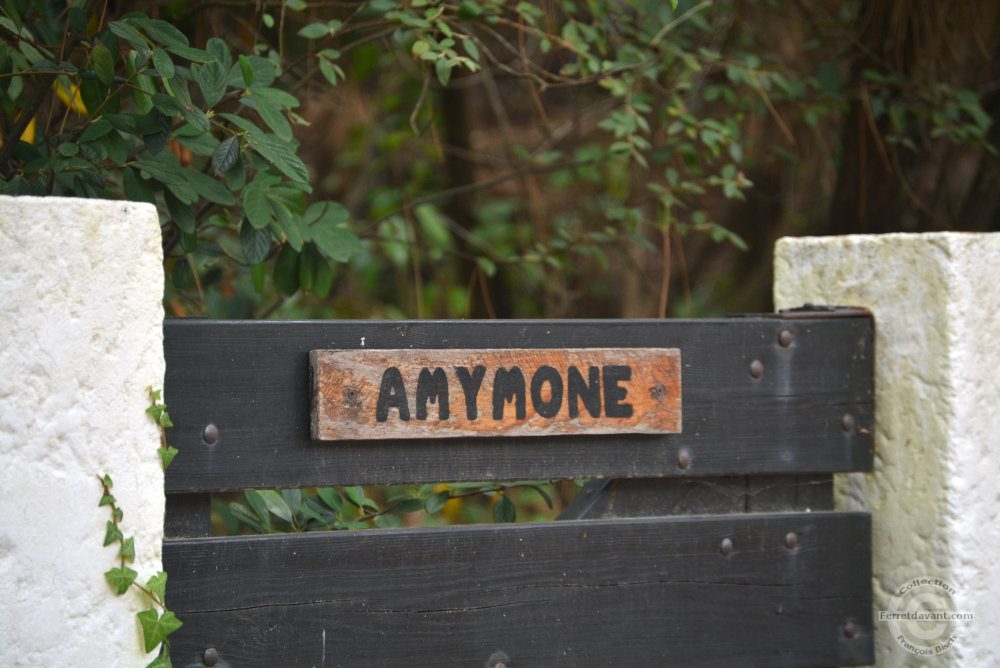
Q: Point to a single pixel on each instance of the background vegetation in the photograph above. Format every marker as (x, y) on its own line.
(478, 158)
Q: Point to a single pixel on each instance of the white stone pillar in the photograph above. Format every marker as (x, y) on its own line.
(81, 339)
(934, 493)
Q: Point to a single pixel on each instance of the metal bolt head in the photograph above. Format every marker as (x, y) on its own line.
(785, 338)
(726, 548)
(847, 422)
(791, 540)
(211, 434)
(684, 458)
(850, 629)
(756, 368)
(210, 656)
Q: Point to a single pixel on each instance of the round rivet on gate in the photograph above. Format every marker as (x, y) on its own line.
(850, 629)
(684, 458)
(847, 422)
(498, 659)
(210, 656)
(785, 338)
(756, 368)
(791, 540)
(211, 434)
(727, 547)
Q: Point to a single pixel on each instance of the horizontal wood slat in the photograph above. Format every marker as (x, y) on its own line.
(632, 592)
(251, 381)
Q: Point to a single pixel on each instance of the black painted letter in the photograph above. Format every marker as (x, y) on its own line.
(509, 386)
(432, 387)
(546, 374)
(470, 386)
(589, 392)
(391, 394)
(613, 394)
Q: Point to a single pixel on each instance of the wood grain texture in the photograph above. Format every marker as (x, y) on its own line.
(251, 380)
(639, 592)
(405, 394)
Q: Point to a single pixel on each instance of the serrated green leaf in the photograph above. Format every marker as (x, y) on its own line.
(286, 271)
(504, 510)
(112, 534)
(271, 114)
(190, 53)
(158, 30)
(314, 31)
(211, 78)
(442, 68)
(246, 69)
(281, 154)
(257, 207)
(437, 501)
(259, 507)
(104, 65)
(276, 504)
(156, 628)
(163, 64)
(183, 217)
(166, 104)
(126, 32)
(121, 579)
(256, 243)
(388, 522)
(218, 48)
(163, 169)
(335, 241)
(209, 188)
(293, 225)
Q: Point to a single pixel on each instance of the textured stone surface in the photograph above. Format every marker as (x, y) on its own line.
(80, 341)
(933, 492)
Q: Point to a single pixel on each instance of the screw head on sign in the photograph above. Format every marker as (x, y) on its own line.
(850, 629)
(791, 540)
(847, 422)
(785, 338)
(756, 369)
(684, 458)
(211, 434)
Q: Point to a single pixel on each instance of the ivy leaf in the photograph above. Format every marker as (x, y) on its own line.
(155, 628)
(167, 455)
(106, 500)
(504, 510)
(158, 585)
(162, 661)
(112, 534)
(121, 579)
(128, 548)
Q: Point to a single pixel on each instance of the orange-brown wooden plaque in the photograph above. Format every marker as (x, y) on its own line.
(400, 394)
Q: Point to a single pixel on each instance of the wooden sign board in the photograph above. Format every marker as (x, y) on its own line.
(402, 394)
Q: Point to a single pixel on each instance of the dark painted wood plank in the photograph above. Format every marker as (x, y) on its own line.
(639, 592)
(188, 516)
(649, 497)
(250, 380)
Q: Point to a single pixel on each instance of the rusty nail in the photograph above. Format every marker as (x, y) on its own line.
(351, 396)
(785, 337)
(684, 458)
(791, 540)
(847, 422)
(210, 656)
(756, 368)
(211, 434)
(658, 392)
(727, 547)
(850, 628)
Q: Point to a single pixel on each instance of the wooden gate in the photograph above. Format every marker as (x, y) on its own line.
(713, 545)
